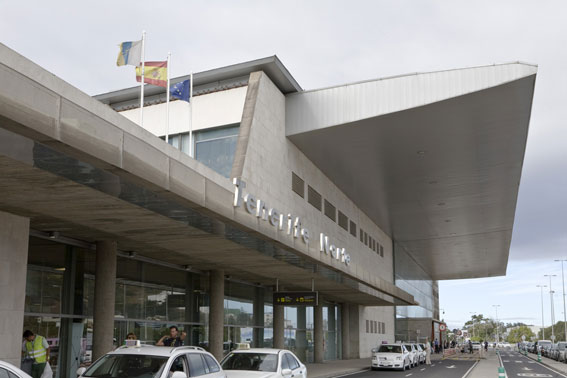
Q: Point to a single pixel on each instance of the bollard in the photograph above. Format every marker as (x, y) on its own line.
(501, 372)
(538, 356)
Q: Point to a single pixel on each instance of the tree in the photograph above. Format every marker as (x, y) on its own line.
(515, 335)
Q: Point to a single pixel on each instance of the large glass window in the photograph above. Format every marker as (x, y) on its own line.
(216, 147)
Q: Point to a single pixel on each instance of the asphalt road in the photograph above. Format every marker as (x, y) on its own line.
(438, 369)
(517, 365)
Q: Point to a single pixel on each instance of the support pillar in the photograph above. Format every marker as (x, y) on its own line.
(318, 337)
(105, 291)
(258, 335)
(332, 334)
(301, 334)
(279, 342)
(14, 237)
(345, 329)
(216, 313)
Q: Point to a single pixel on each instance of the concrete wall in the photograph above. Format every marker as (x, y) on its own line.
(270, 160)
(370, 339)
(206, 112)
(14, 236)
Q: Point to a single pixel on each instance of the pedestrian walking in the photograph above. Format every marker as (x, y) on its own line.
(486, 346)
(428, 353)
(436, 346)
(470, 346)
(36, 347)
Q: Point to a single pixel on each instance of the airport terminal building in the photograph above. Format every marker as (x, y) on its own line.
(366, 194)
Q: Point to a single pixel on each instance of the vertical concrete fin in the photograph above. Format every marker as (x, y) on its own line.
(246, 124)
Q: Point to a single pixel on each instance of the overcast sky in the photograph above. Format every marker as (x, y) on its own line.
(326, 43)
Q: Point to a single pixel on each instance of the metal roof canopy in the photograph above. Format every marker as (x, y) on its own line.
(434, 159)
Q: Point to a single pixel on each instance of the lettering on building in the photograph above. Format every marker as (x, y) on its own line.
(288, 223)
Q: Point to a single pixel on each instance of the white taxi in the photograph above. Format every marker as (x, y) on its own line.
(263, 363)
(148, 361)
(391, 356)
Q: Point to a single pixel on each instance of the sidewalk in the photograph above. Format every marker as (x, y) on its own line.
(487, 367)
(561, 367)
(337, 368)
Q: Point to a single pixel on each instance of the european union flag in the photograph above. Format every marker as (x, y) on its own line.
(180, 90)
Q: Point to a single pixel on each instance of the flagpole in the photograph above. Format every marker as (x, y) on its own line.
(191, 152)
(167, 99)
(142, 78)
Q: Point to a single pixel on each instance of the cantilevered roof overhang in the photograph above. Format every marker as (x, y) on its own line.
(435, 159)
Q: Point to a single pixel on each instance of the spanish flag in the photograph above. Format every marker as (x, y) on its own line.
(154, 73)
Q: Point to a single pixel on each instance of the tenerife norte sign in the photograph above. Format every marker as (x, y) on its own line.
(287, 223)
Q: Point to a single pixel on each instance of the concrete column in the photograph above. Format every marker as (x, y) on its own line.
(318, 336)
(14, 237)
(301, 334)
(332, 334)
(216, 313)
(345, 329)
(105, 290)
(279, 322)
(258, 336)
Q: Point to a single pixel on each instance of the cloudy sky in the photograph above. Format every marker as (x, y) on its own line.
(326, 43)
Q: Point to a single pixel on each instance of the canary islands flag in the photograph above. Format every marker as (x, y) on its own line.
(181, 90)
(130, 53)
(154, 73)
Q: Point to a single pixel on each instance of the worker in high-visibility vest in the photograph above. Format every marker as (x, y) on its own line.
(36, 347)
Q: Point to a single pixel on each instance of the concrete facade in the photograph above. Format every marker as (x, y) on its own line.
(106, 178)
(14, 235)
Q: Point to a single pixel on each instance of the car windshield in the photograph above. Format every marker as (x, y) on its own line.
(409, 348)
(127, 366)
(251, 361)
(545, 343)
(390, 349)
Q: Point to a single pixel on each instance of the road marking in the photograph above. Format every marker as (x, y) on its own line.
(519, 362)
(526, 369)
(505, 361)
(468, 371)
(422, 369)
(412, 373)
(534, 375)
(450, 367)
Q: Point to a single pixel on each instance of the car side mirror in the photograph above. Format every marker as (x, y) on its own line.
(286, 371)
(81, 371)
(179, 374)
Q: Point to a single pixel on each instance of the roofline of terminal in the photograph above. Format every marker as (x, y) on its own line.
(271, 65)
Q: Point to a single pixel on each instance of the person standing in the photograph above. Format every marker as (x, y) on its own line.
(36, 347)
(428, 353)
(174, 339)
(436, 346)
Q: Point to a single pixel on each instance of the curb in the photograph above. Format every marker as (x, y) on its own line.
(552, 368)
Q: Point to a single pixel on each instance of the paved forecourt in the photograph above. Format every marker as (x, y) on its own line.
(517, 365)
(445, 369)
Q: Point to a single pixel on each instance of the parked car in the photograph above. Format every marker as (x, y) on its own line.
(476, 345)
(391, 356)
(421, 353)
(9, 370)
(264, 363)
(148, 361)
(542, 345)
(414, 358)
(562, 351)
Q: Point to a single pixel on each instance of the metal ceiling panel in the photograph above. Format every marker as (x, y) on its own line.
(434, 159)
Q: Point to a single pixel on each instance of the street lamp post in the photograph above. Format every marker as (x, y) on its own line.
(497, 324)
(542, 324)
(551, 303)
(564, 312)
